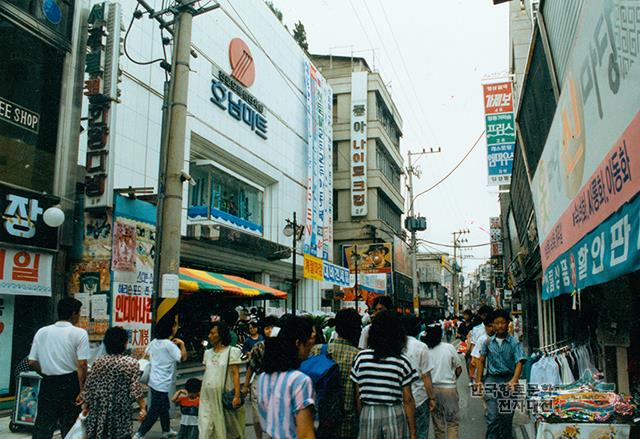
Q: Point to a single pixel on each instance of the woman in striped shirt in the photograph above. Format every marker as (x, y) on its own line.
(383, 376)
(285, 395)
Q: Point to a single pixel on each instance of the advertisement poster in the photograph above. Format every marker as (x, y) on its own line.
(25, 273)
(591, 157)
(124, 247)
(372, 258)
(401, 256)
(359, 206)
(91, 279)
(132, 288)
(318, 238)
(98, 236)
(6, 341)
(500, 132)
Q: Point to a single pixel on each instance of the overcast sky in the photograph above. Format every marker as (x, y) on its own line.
(433, 55)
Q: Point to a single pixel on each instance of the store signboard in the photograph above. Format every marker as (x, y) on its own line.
(500, 132)
(132, 270)
(609, 251)
(6, 341)
(371, 258)
(401, 256)
(318, 237)
(359, 205)
(317, 269)
(16, 115)
(591, 160)
(25, 273)
(495, 230)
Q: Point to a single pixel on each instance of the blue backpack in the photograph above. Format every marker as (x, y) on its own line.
(325, 374)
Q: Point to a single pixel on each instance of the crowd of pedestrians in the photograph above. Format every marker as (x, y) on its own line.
(391, 378)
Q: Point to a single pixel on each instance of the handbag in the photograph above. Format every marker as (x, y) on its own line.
(77, 431)
(228, 395)
(145, 370)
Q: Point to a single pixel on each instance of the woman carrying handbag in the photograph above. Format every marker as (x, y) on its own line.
(221, 414)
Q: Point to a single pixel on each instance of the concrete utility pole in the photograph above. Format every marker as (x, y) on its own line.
(454, 283)
(171, 173)
(414, 224)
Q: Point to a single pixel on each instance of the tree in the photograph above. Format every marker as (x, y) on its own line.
(300, 35)
(277, 12)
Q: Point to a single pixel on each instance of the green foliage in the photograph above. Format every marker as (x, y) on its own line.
(277, 12)
(300, 35)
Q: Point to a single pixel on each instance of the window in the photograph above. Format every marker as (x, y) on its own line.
(388, 213)
(385, 164)
(386, 119)
(335, 108)
(335, 205)
(30, 79)
(220, 196)
(335, 156)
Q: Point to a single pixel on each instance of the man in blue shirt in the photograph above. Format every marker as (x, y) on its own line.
(503, 356)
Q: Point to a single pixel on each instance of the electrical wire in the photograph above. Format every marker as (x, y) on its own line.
(457, 246)
(126, 36)
(452, 171)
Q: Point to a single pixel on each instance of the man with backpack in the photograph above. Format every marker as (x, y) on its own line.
(336, 391)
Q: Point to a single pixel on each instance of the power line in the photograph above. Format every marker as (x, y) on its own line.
(457, 246)
(453, 170)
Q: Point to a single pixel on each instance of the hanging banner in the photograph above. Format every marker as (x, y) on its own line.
(359, 205)
(132, 289)
(6, 341)
(591, 160)
(495, 230)
(25, 273)
(500, 132)
(318, 239)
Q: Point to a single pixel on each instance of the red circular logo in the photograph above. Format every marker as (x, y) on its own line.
(242, 67)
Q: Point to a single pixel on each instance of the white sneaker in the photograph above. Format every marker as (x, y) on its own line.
(170, 433)
(137, 436)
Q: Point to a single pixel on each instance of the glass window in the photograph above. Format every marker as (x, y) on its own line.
(387, 167)
(57, 15)
(30, 80)
(388, 213)
(386, 118)
(225, 198)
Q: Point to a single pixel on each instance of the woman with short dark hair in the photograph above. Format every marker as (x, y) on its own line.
(383, 376)
(285, 395)
(112, 386)
(222, 373)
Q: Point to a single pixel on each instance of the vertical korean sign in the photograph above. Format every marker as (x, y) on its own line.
(359, 144)
(318, 239)
(500, 130)
(586, 186)
(132, 266)
(495, 229)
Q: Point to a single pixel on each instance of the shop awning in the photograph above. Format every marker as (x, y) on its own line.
(198, 281)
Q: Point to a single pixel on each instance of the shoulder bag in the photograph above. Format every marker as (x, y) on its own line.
(228, 395)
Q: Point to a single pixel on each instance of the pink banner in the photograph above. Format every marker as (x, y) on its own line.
(614, 183)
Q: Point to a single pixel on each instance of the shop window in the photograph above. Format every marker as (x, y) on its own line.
(220, 196)
(55, 15)
(30, 81)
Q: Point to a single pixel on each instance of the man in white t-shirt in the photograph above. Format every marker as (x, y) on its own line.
(164, 355)
(422, 389)
(475, 354)
(59, 353)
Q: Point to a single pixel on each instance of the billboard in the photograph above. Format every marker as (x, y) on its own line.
(591, 156)
(318, 239)
(500, 132)
(359, 204)
(372, 258)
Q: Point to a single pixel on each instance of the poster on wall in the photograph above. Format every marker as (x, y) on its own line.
(132, 288)
(359, 204)
(90, 282)
(591, 159)
(318, 237)
(98, 236)
(500, 131)
(371, 258)
(6, 341)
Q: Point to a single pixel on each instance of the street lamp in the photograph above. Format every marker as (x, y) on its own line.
(294, 230)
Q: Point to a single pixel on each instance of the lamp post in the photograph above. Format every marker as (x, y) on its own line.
(295, 231)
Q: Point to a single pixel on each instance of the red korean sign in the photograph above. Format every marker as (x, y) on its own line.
(25, 273)
(497, 98)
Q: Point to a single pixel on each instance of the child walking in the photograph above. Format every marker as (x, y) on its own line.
(188, 399)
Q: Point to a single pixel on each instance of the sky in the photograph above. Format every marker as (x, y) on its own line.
(433, 55)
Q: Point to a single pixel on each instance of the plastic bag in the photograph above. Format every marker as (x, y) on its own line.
(145, 370)
(78, 431)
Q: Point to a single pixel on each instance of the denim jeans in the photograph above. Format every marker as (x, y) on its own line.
(499, 413)
(159, 408)
(422, 420)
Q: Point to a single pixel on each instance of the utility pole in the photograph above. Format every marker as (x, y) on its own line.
(454, 283)
(356, 287)
(171, 173)
(414, 224)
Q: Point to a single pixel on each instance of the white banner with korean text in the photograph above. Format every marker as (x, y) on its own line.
(359, 206)
(25, 272)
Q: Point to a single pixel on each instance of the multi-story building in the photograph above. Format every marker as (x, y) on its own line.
(431, 287)
(367, 178)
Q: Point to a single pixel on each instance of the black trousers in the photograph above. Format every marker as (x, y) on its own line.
(57, 405)
(159, 409)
